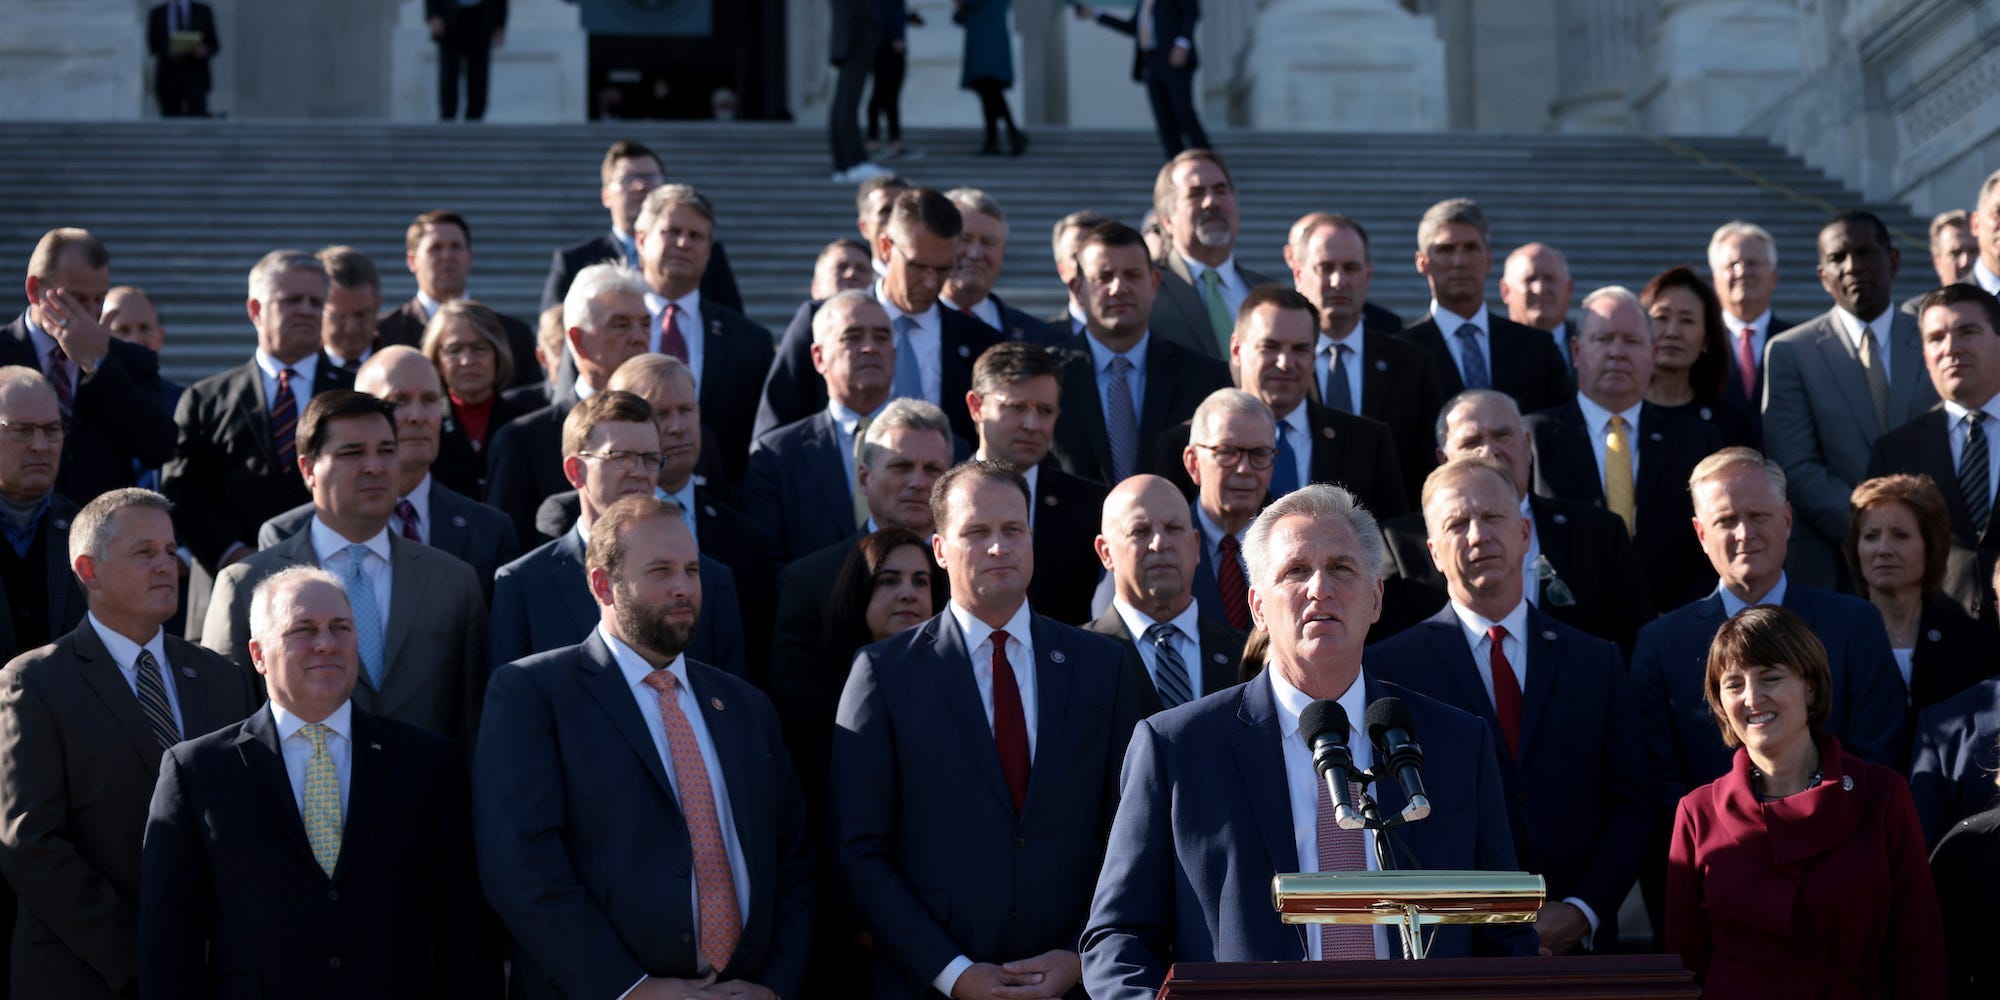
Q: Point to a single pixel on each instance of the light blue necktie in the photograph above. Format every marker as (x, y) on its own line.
(909, 382)
(367, 617)
(1285, 475)
(1473, 361)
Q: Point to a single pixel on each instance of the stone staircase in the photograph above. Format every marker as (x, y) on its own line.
(186, 208)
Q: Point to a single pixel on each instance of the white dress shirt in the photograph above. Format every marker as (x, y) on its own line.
(1879, 328)
(689, 324)
(1295, 426)
(297, 749)
(844, 423)
(1985, 277)
(636, 670)
(1448, 323)
(1234, 288)
(1351, 365)
(1076, 321)
(427, 304)
(1302, 784)
(1021, 659)
(984, 311)
(1597, 424)
(1760, 331)
(1188, 645)
(684, 499)
(330, 549)
(1733, 605)
(303, 371)
(125, 653)
(1955, 413)
(420, 498)
(1100, 363)
(926, 340)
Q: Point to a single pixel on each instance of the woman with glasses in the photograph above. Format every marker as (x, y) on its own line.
(469, 347)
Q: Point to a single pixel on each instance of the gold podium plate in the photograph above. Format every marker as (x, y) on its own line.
(1433, 897)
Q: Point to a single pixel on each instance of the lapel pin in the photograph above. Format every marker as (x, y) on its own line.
(187, 672)
(1549, 634)
(715, 327)
(372, 745)
(458, 520)
(1326, 432)
(1562, 519)
(1934, 635)
(1220, 658)
(1381, 365)
(1846, 782)
(62, 524)
(964, 351)
(1707, 414)
(709, 509)
(715, 703)
(1656, 436)
(1048, 501)
(1058, 656)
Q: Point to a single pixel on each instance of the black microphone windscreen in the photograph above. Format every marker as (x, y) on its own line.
(1323, 717)
(1386, 714)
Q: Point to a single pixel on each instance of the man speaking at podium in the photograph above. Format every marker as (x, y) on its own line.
(1220, 794)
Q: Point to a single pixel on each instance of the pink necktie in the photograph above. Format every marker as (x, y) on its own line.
(1746, 364)
(406, 512)
(1341, 851)
(715, 883)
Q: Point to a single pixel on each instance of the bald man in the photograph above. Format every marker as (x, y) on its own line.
(1149, 545)
(426, 511)
(1536, 286)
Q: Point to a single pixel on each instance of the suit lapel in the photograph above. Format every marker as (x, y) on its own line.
(606, 683)
(55, 562)
(410, 572)
(949, 665)
(1446, 636)
(1052, 700)
(450, 531)
(257, 744)
(1163, 368)
(1932, 455)
(832, 480)
(1652, 450)
(256, 417)
(1220, 649)
(576, 600)
(1082, 387)
(196, 687)
(1842, 369)
(1260, 764)
(1908, 378)
(102, 675)
(1545, 656)
(734, 753)
(1375, 375)
(368, 771)
(1571, 435)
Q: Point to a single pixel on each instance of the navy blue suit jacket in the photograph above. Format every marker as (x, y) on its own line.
(1576, 796)
(542, 601)
(1685, 748)
(121, 420)
(1952, 767)
(937, 860)
(582, 847)
(1204, 822)
(796, 487)
(1018, 325)
(1206, 590)
(794, 391)
(718, 283)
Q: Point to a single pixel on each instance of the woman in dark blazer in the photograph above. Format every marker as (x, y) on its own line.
(1691, 356)
(1966, 867)
(466, 342)
(1898, 539)
(1801, 872)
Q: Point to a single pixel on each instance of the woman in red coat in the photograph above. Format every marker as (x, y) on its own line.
(1801, 872)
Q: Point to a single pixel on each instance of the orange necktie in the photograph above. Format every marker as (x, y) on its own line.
(714, 882)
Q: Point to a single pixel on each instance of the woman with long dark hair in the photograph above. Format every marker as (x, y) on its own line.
(1691, 355)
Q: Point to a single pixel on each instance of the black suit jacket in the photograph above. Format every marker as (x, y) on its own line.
(461, 466)
(524, 466)
(1923, 447)
(405, 325)
(1525, 363)
(1068, 511)
(62, 598)
(583, 847)
(1177, 380)
(1401, 387)
(228, 876)
(1670, 446)
(225, 480)
(1576, 794)
(1018, 325)
(480, 535)
(201, 17)
(1350, 451)
(120, 416)
(1953, 653)
(718, 283)
(796, 487)
(1585, 545)
(1221, 647)
(78, 764)
(736, 355)
(1171, 19)
(794, 391)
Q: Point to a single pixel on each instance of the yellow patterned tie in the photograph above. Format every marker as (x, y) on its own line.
(322, 801)
(1618, 493)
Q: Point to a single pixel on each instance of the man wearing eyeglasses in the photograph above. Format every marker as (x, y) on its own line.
(629, 173)
(611, 450)
(1230, 455)
(935, 347)
(39, 599)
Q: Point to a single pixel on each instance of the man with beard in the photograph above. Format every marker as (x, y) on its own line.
(1203, 286)
(640, 829)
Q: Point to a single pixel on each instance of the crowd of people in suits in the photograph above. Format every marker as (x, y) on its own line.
(927, 647)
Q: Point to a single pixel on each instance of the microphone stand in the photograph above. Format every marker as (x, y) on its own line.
(1371, 814)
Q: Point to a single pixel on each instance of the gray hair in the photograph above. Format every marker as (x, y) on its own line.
(264, 600)
(1082, 219)
(592, 283)
(971, 199)
(90, 529)
(264, 276)
(1615, 293)
(663, 198)
(903, 415)
(1463, 211)
(1737, 229)
(823, 330)
(649, 369)
(1319, 501)
(1989, 191)
(1475, 396)
(21, 378)
(1228, 403)
(1737, 458)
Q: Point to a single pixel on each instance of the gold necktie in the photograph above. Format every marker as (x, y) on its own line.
(1618, 493)
(322, 801)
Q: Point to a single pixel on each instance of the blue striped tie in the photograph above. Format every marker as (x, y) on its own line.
(367, 616)
(1121, 421)
(1170, 672)
(1973, 463)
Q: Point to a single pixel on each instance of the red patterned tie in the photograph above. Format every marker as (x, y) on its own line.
(671, 341)
(714, 882)
(1506, 693)
(1341, 851)
(1010, 725)
(1235, 590)
(406, 512)
(285, 422)
(59, 380)
(1746, 364)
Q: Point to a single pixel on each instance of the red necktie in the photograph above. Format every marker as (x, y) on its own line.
(714, 880)
(1746, 364)
(1010, 725)
(406, 512)
(1235, 590)
(59, 380)
(1506, 693)
(1340, 851)
(671, 341)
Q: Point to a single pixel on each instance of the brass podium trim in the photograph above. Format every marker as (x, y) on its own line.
(1408, 899)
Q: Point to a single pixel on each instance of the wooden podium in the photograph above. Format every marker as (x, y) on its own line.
(1608, 976)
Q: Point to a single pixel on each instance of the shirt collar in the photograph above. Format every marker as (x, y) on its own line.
(1224, 271)
(305, 369)
(926, 320)
(1296, 420)
(1732, 604)
(582, 534)
(420, 497)
(1188, 621)
(689, 304)
(1100, 355)
(634, 667)
(1515, 621)
(1984, 276)
(1736, 326)
(124, 651)
(682, 498)
(848, 419)
(45, 345)
(1211, 532)
(326, 542)
(428, 304)
(1958, 412)
(341, 721)
(977, 631)
(1448, 322)
(1878, 327)
(1291, 701)
(1595, 417)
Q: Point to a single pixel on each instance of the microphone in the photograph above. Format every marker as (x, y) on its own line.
(1324, 725)
(1392, 731)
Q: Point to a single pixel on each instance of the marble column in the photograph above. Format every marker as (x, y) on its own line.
(1600, 45)
(82, 60)
(1715, 66)
(1344, 65)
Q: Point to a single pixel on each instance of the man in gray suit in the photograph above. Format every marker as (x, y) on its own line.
(419, 616)
(1835, 383)
(1202, 285)
(426, 511)
(83, 722)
